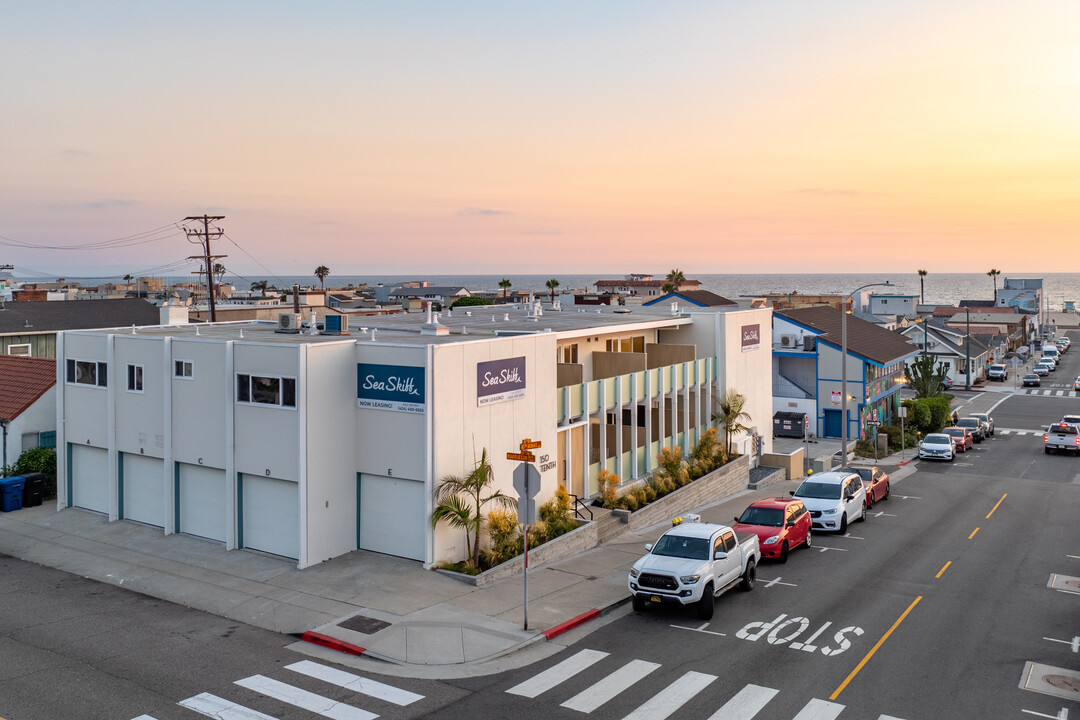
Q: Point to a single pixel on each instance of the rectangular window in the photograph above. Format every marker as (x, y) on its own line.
(134, 378)
(47, 439)
(266, 390)
(569, 353)
(184, 369)
(87, 372)
(23, 349)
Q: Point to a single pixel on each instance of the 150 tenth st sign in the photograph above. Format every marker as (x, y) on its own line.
(751, 337)
(500, 380)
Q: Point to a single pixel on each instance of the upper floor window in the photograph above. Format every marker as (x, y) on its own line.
(134, 378)
(568, 353)
(266, 390)
(87, 372)
(184, 369)
(23, 349)
(629, 344)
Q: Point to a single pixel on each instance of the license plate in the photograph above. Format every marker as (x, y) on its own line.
(655, 599)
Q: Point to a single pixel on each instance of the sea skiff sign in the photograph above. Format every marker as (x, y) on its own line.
(751, 336)
(500, 380)
(397, 388)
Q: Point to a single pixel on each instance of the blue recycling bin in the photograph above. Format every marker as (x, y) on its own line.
(11, 490)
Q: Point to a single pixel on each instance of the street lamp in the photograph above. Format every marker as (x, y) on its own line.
(843, 366)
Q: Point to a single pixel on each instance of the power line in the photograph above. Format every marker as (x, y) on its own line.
(164, 232)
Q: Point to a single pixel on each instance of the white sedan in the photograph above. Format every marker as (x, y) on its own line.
(937, 446)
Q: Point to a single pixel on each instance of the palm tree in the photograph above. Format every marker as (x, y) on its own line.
(219, 275)
(922, 288)
(460, 501)
(993, 275)
(551, 285)
(505, 285)
(322, 272)
(729, 415)
(674, 281)
(262, 286)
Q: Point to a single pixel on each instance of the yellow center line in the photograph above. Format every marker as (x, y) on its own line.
(943, 569)
(973, 533)
(998, 503)
(873, 650)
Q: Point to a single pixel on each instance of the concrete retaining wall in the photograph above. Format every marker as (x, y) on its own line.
(718, 484)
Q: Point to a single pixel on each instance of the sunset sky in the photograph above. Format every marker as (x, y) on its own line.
(488, 137)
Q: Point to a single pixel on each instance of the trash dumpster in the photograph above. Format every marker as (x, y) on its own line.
(789, 424)
(33, 490)
(11, 489)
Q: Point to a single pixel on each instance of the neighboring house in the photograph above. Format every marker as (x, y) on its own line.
(793, 299)
(807, 369)
(414, 299)
(695, 298)
(1015, 326)
(889, 322)
(641, 284)
(890, 304)
(29, 328)
(948, 345)
(27, 404)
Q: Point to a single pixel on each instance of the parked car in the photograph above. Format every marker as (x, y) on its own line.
(975, 425)
(780, 524)
(833, 498)
(987, 421)
(875, 481)
(947, 383)
(1040, 370)
(937, 446)
(961, 438)
(1032, 379)
(1073, 420)
(1076, 383)
(1048, 362)
(997, 372)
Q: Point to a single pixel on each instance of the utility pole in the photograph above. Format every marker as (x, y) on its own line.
(203, 238)
(967, 347)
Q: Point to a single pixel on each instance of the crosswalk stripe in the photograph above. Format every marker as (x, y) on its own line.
(557, 673)
(221, 709)
(745, 704)
(303, 699)
(145, 717)
(819, 710)
(355, 683)
(1059, 393)
(593, 697)
(673, 697)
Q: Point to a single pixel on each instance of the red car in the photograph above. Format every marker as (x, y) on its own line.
(962, 438)
(875, 481)
(781, 524)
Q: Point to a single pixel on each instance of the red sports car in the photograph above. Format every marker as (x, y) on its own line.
(961, 437)
(781, 524)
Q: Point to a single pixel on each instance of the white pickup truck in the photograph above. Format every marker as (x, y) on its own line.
(693, 563)
(1062, 436)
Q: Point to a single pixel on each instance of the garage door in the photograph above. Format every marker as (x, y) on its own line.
(271, 515)
(200, 502)
(393, 516)
(90, 478)
(143, 489)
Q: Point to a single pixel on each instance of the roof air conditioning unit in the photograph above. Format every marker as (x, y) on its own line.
(809, 343)
(288, 323)
(787, 341)
(336, 325)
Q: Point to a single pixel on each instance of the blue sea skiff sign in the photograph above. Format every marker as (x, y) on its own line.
(397, 388)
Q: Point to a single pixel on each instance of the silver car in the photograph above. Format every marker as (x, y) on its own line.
(987, 421)
(937, 446)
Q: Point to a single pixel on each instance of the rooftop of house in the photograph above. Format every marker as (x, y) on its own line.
(22, 381)
(700, 298)
(864, 339)
(43, 317)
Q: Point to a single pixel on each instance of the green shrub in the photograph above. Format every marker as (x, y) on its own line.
(921, 417)
(939, 412)
(42, 460)
(556, 515)
(505, 538)
(469, 302)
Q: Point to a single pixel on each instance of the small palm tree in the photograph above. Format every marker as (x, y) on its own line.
(993, 275)
(922, 288)
(674, 281)
(219, 274)
(262, 286)
(127, 279)
(322, 272)
(460, 502)
(730, 415)
(505, 285)
(551, 285)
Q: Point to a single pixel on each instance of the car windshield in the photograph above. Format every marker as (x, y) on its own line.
(821, 491)
(954, 432)
(937, 439)
(773, 517)
(1063, 429)
(967, 422)
(1030, 377)
(682, 547)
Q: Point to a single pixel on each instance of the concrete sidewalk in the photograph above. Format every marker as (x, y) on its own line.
(403, 619)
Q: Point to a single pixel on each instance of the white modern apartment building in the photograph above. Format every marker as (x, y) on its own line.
(309, 445)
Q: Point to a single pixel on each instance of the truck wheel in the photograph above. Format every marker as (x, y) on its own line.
(749, 576)
(1046, 450)
(843, 523)
(640, 604)
(783, 552)
(706, 604)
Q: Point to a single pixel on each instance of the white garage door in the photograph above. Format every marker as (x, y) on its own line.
(201, 502)
(144, 489)
(393, 516)
(90, 478)
(271, 515)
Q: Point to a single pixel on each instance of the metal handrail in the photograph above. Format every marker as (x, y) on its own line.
(578, 503)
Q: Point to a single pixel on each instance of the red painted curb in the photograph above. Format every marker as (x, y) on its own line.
(571, 623)
(333, 643)
(903, 463)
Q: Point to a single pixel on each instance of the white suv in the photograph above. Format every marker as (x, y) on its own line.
(833, 498)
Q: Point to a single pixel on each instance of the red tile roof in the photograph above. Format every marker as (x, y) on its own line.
(22, 381)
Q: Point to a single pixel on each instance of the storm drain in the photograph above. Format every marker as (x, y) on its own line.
(363, 624)
(1051, 680)
(1064, 583)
